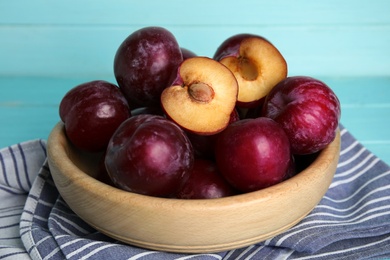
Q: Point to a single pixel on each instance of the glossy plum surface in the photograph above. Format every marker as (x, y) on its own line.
(91, 113)
(205, 182)
(231, 46)
(307, 109)
(253, 154)
(150, 155)
(144, 62)
(187, 53)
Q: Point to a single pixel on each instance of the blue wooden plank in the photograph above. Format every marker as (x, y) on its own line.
(369, 124)
(380, 149)
(33, 91)
(80, 51)
(23, 123)
(201, 12)
(29, 107)
(361, 91)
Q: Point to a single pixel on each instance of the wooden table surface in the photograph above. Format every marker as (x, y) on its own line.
(46, 48)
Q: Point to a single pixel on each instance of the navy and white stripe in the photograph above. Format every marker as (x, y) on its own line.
(352, 221)
(19, 166)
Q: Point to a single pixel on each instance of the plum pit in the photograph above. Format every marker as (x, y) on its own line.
(201, 92)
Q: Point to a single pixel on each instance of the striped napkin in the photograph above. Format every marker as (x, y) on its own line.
(352, 221)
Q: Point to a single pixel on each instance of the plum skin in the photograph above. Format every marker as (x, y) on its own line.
(144, 62)
(231, 46)
(187, 53)
(307, 109)
(205, 182)
(253, 154)
(150, 155)
(91, 112)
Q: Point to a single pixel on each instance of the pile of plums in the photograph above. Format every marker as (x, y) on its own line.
(178, 125)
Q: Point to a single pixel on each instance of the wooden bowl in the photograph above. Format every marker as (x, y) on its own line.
(186, 226)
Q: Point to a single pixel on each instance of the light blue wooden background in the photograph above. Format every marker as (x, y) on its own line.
(47, 47)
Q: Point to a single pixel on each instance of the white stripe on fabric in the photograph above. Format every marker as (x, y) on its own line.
(95, 251)
(334, 223)
(70, 242)
(320, 224)
(45, 203)
(349, 216)
(11, 211)
(245, 251)
(349, 148)
(355, 167)
(229, 254)
(254, 253)
(72, 223)
(286, 255)
(76, 252)
(368, 203)
(343, 131)
(63, 227)
(43, 240)
(12, 253)
(360, 189)
(43, 219)
(351, 159)
(355, 175)
(138, 256)
(198, 256)
(343, 251)
(52, 253)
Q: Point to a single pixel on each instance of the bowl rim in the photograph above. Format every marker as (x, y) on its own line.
(57, 141)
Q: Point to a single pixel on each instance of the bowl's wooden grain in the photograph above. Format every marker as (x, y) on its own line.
(190, 226)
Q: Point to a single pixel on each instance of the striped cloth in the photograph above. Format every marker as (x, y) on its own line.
(352, 221)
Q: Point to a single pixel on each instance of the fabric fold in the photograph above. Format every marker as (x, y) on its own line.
(19, 166)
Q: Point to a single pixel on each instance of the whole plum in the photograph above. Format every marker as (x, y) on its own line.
(144, 63)
(149, 155)
(91, 113)
(307, 109)
(253, 154)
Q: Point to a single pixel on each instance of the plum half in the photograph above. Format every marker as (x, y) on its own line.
(256, 63)
(202, 97)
